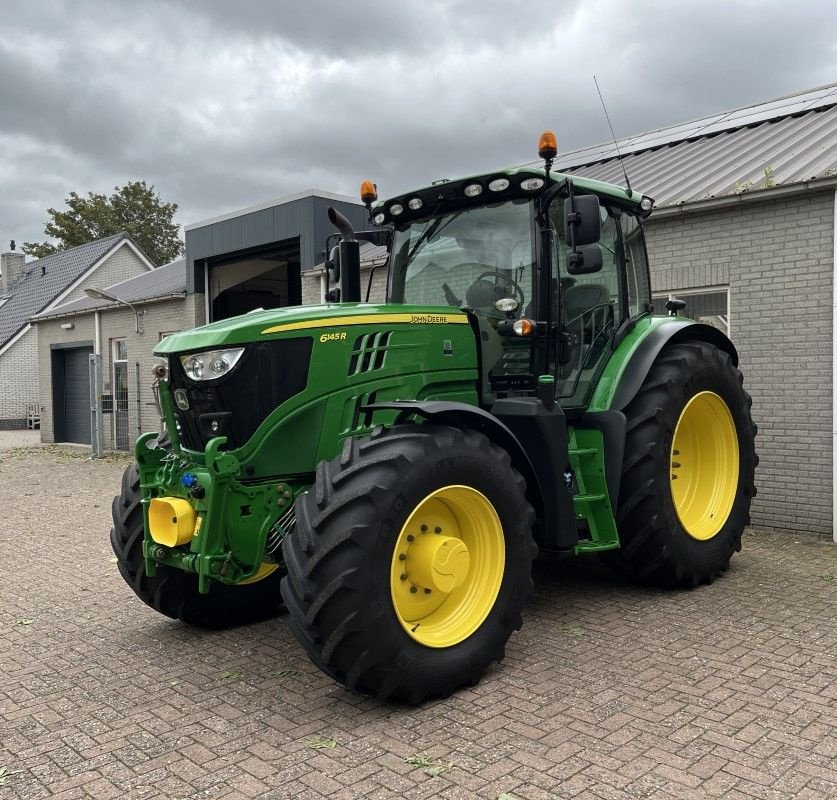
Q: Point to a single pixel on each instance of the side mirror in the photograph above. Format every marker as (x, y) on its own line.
(585, 259)
(333, 265)
(582, 220)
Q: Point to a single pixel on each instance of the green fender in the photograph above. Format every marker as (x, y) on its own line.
(636, 352)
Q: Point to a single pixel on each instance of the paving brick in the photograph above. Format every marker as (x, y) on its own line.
(101, 697)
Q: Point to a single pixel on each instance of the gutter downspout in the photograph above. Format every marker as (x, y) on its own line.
(834, 375)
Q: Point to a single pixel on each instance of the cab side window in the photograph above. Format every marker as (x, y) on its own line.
(636, 265)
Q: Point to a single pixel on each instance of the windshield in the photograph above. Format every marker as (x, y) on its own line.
(472, 257)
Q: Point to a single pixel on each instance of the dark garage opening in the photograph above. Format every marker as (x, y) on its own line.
(265, 277)
(71, 394)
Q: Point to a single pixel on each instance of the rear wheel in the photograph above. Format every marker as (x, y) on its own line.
(174, 592)
(410, 562)
(687, 478)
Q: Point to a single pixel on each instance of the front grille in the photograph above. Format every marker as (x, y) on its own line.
(268, 374)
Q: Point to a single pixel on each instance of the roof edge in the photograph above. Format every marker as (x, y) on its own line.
(290, 198)
(57, 313)
(753, 196)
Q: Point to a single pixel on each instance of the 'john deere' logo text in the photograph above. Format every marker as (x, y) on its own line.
(425, 319)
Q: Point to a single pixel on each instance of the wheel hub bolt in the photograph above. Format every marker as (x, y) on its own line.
(403, 576)
(402, 556)
(413, 590)
(437, 529)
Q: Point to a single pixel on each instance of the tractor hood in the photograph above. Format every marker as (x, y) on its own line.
(287, 322)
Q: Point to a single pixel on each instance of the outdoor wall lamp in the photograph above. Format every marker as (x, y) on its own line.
(101, 294)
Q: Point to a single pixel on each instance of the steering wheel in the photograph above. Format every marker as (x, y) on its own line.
(517, 291)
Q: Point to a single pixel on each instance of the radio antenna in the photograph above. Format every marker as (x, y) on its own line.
(615, 143)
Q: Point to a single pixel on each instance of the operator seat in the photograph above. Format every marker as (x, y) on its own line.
(582, 297)
(584, 328)
(482, 294)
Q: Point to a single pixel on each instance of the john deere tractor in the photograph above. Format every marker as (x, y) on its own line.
(388, 472)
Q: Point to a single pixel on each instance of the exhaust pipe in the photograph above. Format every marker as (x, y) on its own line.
(349, 251)
(342, 224)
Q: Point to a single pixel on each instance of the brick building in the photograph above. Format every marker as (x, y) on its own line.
(38, 286)
(124, 332)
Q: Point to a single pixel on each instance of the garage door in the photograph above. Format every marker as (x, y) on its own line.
(77, 395)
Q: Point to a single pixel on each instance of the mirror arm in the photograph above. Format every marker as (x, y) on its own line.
(563, 188)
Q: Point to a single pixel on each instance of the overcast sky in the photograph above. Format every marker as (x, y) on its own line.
(226, 104)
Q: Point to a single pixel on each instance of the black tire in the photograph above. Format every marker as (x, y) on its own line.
(337, 590)
(174, 592)
(655, 547)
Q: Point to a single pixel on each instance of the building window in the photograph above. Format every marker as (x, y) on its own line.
(709, 305)
(163, 334)
(121, 438)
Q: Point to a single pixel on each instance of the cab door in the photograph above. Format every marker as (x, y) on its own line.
(588, 308)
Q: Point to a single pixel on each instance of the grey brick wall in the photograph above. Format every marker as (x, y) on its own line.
(162, 317)
(777, 258)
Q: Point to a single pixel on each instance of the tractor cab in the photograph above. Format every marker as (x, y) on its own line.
(549, 268)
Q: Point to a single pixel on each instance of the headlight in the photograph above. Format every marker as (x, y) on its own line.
(531, 184)
(499, 184)
(211, 364)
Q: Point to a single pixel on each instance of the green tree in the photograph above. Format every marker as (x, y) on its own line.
(135, 208)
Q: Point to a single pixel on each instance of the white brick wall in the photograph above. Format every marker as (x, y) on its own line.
(311, 286)
(18, 380)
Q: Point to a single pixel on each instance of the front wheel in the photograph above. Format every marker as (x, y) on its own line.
(688, 472)
(174, 593)
(410, 562)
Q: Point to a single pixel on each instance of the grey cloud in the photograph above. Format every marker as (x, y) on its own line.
(223, 105)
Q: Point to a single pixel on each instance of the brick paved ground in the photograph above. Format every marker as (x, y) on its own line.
(609, 691)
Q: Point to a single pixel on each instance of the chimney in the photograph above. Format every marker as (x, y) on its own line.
(11, 269)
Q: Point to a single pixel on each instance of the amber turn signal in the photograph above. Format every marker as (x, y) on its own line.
(548, 145)
(368, 192)
(523, 327)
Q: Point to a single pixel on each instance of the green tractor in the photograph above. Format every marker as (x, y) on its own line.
(387, 473)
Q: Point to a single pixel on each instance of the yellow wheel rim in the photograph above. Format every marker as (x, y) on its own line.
(704, 465)
(447, 566)
(264, 570)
